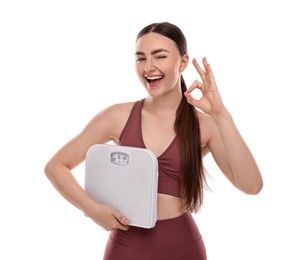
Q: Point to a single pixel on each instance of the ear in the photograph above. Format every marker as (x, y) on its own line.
(184, 62)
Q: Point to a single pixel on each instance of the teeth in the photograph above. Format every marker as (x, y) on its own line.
(154, 77)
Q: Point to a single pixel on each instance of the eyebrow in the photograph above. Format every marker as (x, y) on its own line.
(153, 52)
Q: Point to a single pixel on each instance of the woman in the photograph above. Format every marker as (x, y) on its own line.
(180, 130)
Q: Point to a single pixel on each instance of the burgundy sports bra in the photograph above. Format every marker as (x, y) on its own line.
(168, 161)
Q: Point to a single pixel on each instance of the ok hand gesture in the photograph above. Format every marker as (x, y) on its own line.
(210, 101)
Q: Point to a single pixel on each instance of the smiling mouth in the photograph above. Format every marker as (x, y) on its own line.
(153, 78)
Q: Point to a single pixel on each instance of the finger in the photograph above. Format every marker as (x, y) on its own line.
(199, 70)
(196, 85)
(189, 98)
(208, 69)
(123, 227)
(102, 226)
(116, 224)
(195, 102)
(120, 218)
(124, 221)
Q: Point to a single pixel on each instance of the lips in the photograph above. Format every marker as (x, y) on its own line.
(154, 79)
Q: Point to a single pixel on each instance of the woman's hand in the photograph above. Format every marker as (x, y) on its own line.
(210, 101)
(108, 218)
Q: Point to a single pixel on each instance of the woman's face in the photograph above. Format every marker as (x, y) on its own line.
(158, 63)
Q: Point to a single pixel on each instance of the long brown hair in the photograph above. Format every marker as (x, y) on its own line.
(186, 127)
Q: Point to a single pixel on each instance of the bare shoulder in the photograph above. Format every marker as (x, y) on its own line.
(105, 126)
(117, 110)
(111, 120)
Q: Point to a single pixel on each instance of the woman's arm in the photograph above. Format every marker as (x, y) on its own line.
(101, 129)
(226, 144)
(233, 156)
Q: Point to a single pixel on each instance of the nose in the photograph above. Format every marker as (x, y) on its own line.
(149, 66)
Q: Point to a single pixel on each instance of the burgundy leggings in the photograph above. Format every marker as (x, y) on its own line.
(171, 239)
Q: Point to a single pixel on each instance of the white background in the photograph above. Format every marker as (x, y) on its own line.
(63, 61)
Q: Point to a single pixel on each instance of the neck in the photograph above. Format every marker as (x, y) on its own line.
(168, 102)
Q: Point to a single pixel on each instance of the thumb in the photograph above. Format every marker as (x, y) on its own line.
(190, 99)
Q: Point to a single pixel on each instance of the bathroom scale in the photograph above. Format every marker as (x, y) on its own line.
(125, 178)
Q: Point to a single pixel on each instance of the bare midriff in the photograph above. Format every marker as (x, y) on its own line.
(169, 206)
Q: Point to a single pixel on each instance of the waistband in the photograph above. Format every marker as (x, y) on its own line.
(168, 234)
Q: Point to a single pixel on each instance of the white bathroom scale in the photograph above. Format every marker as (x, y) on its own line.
(126, 178)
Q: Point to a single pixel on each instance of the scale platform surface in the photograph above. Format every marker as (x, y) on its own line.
(126, 178)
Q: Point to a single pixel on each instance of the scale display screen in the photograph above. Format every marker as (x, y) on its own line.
(119, 158)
